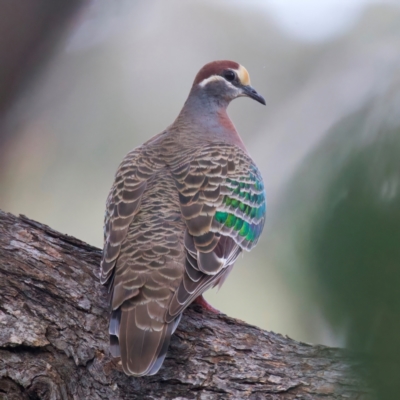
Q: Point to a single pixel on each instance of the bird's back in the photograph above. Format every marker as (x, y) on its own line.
(194, 217)
(150, 263)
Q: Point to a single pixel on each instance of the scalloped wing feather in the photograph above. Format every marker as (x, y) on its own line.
(142, 260)
(222, 200)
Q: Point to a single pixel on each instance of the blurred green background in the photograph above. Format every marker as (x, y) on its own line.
(328, 144)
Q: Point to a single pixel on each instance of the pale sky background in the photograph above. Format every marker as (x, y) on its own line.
(307, 20)
(314, 20)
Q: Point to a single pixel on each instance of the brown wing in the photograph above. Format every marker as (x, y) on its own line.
(143, 261)
(223, 204)
(122, 205)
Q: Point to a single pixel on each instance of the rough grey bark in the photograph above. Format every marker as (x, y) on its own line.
(54, 341)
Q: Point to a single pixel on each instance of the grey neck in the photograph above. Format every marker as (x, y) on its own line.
(203, 107)
(204, 118)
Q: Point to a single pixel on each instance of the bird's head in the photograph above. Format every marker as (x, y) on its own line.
(224, 81)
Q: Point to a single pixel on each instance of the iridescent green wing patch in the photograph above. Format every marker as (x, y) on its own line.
(242, 212)
(221, 192)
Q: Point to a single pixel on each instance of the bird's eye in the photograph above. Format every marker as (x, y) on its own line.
(229, 75)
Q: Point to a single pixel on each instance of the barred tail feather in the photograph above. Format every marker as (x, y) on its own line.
(142, 347)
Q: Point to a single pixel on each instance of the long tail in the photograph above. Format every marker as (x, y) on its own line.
(139, 339)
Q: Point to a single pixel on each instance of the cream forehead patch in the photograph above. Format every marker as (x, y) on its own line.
(243, 75)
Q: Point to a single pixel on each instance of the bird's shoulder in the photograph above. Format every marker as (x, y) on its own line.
(221, 159)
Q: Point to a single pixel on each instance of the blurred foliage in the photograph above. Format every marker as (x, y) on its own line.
(349, 233)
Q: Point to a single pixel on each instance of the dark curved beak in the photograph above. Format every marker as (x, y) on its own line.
(252, 93)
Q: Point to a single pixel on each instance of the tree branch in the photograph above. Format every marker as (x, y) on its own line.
(54, 338)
